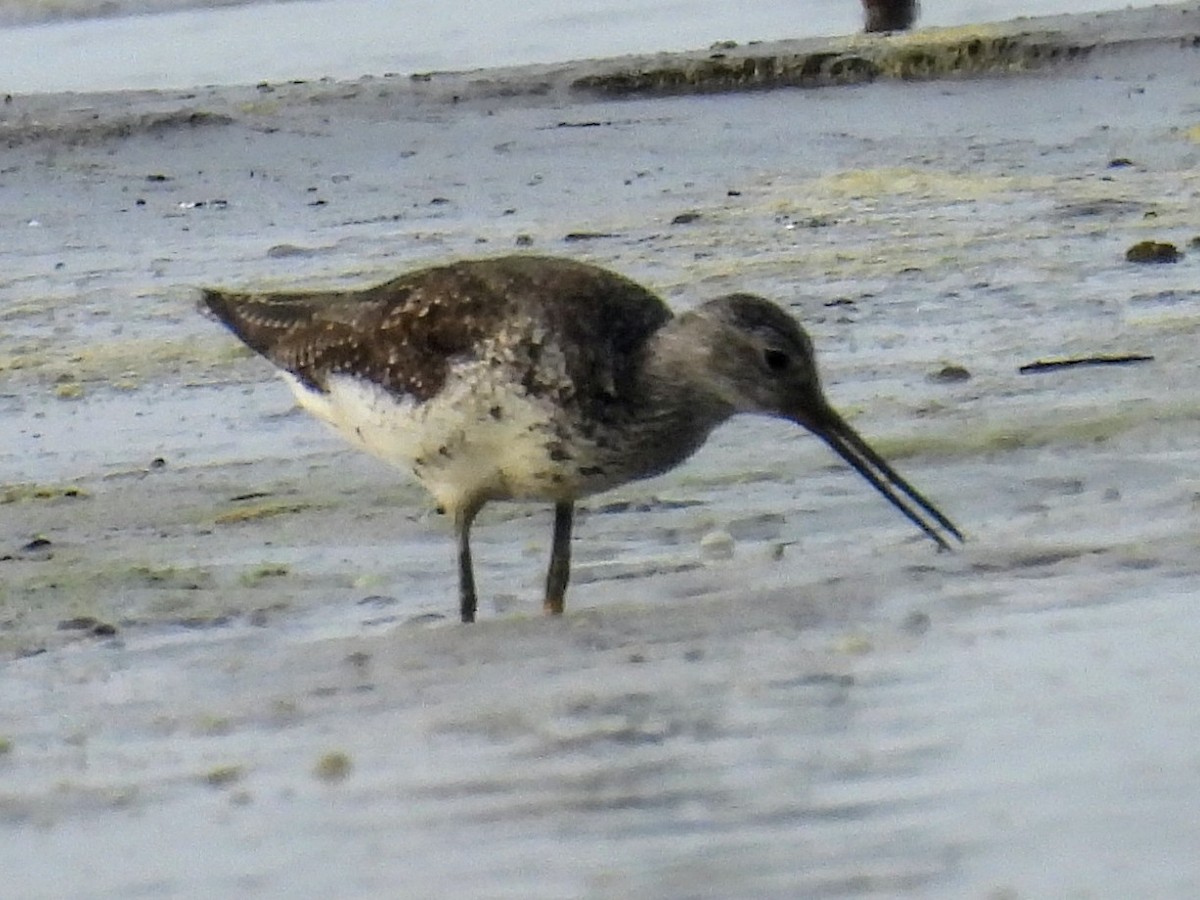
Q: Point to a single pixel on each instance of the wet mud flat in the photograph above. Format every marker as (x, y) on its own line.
(230, 664)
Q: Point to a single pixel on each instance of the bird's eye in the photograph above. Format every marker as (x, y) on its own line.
(776, 360)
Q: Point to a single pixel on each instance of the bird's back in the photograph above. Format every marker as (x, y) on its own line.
(405, 334)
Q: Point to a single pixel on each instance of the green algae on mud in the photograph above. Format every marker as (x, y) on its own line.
(48, 603)
(123, 364)
(265, 572)
(1049, 428)
(83, 581)
(721, 73)
(223, 776)
(24, 492)
(17, 131)
(333, 767)
(259, 511)
(1019, 46)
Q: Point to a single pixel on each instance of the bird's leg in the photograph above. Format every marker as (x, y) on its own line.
(463, 518)
(560, 558)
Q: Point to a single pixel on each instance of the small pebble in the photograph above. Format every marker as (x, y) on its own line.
(950, 374)
(283, 251)
(429, 618)
(223, 776)
(1152, 252)
(378, 601)
(916, 623)
(78, 623)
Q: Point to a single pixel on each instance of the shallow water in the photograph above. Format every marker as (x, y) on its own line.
(244, 43)
(836, 711)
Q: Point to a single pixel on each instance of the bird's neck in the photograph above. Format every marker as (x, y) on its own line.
(678, 407)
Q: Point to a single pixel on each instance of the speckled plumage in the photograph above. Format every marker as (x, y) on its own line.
(540, 378)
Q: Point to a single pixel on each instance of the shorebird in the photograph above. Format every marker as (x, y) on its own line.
(540, 378)
(889, 15)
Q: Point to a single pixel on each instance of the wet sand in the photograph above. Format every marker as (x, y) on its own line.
(230, 663)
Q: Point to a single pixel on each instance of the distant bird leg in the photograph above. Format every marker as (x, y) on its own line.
(889, 15)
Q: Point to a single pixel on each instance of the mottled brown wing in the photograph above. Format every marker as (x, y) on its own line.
(404, 334)
(393, 334)
(307, 334)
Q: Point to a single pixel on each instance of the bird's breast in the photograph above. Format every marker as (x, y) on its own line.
(479, 438)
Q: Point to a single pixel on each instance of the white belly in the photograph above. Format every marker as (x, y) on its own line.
(470, 443)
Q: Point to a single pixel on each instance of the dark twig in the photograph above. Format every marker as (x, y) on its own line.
(1049, 365)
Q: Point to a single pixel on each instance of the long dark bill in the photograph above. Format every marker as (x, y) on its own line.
(846, 443)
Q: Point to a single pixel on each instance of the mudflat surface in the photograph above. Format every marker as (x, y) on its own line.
(230, 666)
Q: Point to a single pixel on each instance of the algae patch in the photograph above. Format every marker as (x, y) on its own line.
(223, 776)
(258, 512)
(123, 364)
(70, 390)
(22, 493)
(87, 591)
(263, 573)
(914, 183)
(925, 54)
(1082, 426)
(333, 767)
(720, 72)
